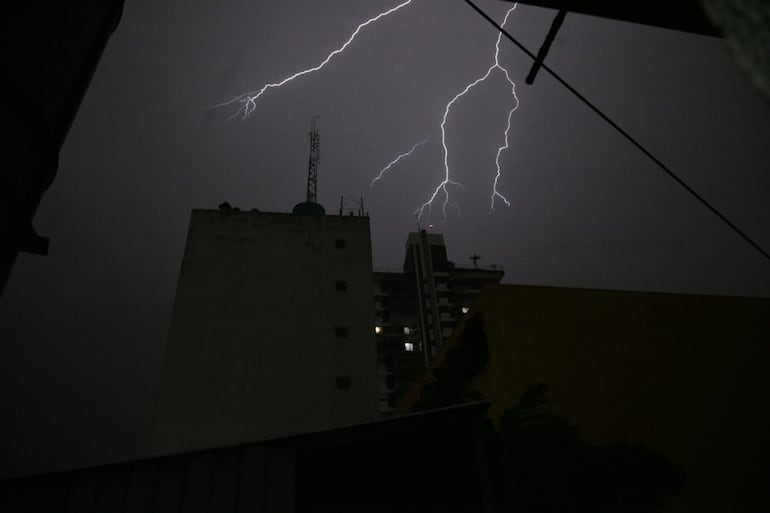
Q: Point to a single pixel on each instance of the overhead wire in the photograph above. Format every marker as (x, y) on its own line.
(620, 130)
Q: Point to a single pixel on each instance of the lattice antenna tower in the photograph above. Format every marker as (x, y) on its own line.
(315, 156)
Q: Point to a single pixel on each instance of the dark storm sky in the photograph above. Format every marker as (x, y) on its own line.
(83, 329)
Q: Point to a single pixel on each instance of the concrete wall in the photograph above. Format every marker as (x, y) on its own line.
(254, 349)
(248, 478)
(434, 461)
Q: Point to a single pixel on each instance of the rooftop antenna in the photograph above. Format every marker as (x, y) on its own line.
(315, 155)
(358, 209)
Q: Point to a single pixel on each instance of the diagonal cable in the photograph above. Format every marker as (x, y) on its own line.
(622, 132)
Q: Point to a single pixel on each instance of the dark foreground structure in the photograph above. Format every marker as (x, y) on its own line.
(50, 53)
(433, 461)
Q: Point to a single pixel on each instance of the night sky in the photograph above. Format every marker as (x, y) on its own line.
(83, 329)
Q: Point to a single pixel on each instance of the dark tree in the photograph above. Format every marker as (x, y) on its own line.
(464, 361)
(546, 467)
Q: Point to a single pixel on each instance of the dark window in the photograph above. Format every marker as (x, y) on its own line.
(390, 381)
(342, 286)
(438, 257)
(342, 382)
(386, 316)
(341, 331)
(340, 243)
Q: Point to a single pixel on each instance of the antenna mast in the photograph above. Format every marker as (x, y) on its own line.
(315, 155)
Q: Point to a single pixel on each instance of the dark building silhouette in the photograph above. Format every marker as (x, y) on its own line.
(417, 309)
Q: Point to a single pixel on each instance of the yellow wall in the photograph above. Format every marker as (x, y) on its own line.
(686, 375)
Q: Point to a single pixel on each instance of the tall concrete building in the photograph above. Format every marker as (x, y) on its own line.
(271, 331)
(417, 309)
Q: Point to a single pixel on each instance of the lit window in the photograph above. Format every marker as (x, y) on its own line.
(408, 346)
(465, 309)
(406, 330)
(378, 329)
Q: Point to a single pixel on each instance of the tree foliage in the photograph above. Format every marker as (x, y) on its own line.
(449, 383)
(546, 467)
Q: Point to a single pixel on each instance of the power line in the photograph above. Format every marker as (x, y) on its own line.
(622, 132)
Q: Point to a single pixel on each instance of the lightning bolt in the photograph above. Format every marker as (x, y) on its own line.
(248, 103)
(442, 187)
(248, 100)
(395, 161)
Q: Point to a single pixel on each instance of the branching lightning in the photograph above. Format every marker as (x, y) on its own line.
(394, 161)
(247, 105)
(447, 181)
(248, 100)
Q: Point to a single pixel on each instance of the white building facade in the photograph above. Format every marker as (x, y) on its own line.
(272, 329)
